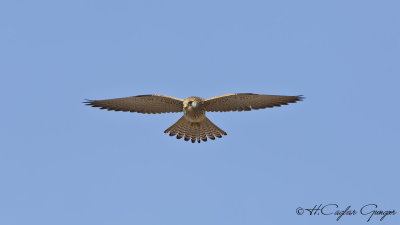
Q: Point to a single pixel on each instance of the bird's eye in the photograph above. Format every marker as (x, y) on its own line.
(190, 103)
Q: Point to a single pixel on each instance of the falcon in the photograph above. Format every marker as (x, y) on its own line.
(194, 125)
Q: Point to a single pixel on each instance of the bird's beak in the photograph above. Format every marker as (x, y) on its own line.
(185, 105)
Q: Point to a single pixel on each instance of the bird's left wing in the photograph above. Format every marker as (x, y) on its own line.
(140, 104)
(247, 102)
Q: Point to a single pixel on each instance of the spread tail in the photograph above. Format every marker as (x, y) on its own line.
(195, 131)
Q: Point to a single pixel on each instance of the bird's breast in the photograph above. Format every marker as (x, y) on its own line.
(195, 115)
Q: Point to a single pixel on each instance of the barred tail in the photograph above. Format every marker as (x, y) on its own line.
(195, 131)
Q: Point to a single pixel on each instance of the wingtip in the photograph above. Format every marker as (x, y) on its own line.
(301, 97)
(88, 102)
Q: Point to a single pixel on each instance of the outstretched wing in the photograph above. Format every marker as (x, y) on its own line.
(140, 104)
(247, 102)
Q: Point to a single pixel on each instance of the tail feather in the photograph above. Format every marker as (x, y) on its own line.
(195, 131)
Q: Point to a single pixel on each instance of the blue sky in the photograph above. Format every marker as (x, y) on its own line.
(62, 162)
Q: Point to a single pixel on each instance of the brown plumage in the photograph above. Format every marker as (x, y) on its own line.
(194, 125)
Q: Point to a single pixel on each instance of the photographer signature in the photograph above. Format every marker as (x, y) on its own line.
(369, 210)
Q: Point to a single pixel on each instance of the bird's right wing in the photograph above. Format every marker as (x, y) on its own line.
(140, 104)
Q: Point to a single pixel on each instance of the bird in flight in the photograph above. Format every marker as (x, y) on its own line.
(193, 125)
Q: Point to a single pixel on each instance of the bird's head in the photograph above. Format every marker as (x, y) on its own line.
(191, 103)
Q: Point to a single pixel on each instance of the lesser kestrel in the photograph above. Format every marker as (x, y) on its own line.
(194, 125)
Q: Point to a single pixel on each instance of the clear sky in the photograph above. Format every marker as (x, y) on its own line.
(64, 163)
